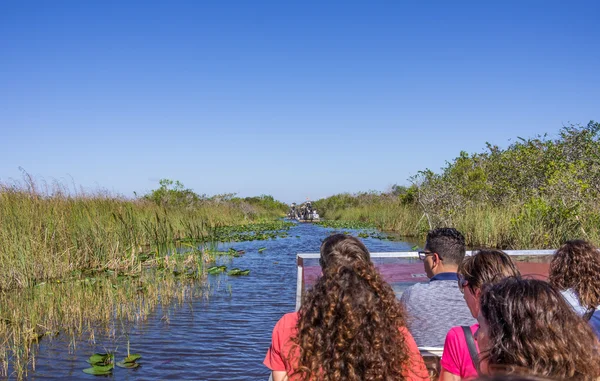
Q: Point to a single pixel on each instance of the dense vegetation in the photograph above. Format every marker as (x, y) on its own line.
(536, 193)
(48, 233)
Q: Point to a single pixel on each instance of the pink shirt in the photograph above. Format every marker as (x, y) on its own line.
(456, 358)
(285, 329)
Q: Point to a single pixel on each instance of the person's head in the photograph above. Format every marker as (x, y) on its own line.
(576, 265)
(444, 251)
(527, 324)
(342, 250)
(485, 266)
(348, 326)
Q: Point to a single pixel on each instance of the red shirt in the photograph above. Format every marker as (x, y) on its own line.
(281, 344)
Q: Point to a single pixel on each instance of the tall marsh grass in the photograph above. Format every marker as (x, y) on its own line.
(45, 237)
(508, 227)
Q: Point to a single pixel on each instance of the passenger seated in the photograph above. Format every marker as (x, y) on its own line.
(350, 325)
(575, 271)
(526, 325)
(460, 359)
(315, 214)
(437, 306)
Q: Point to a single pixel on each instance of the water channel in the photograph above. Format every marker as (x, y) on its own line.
(222, 337)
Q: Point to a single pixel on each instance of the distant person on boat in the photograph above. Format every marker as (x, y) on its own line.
(435, 307)
(526, 326)
(302, 215)
(308, 211)
(315, 214)
(575, 271)
(350, 325)
(292, 213)
(461, 353)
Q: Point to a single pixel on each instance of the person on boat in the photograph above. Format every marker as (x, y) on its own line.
(315, 214)
(526, 325)
(460, 356)
(438, 305)
(302, 215)
(308, 210)
(292, 211)
(575, 271)
(350, 325)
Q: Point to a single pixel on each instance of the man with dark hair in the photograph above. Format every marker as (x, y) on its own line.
(437, 306)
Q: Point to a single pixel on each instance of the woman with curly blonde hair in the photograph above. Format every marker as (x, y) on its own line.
(525, 325)
(575, 270)
(350, 325)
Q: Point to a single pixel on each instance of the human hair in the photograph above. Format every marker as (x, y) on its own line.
(576, 265)
(487, 266)
(449, 243)
(348, 326)
(531, 326)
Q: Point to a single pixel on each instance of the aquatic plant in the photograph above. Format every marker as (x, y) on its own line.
(238, 272)
(129, 362)
(102, 364)
(215, 270)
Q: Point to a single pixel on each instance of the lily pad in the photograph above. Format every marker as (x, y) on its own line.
(99, 370)
(214, 270)
(100, 359)
(127, 365)
(237, 272)
(262, 249)
(132, 358)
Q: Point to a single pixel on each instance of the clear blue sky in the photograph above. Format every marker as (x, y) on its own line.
(294, 100)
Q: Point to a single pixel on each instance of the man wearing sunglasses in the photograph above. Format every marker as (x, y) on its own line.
(438, 305)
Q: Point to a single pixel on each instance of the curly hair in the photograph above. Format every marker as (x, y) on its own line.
(487, 266)
(531, 326)
(348, 326)
(576, 265)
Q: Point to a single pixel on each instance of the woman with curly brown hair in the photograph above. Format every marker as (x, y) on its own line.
(350, 325)
(527, 324)
(487, 266)
(575, 270)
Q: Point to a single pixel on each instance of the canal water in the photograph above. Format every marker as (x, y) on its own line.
(222, 337)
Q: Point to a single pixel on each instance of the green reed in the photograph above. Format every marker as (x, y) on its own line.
(508, 227)
(46, 237)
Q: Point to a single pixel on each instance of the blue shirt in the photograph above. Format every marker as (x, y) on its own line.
(445, 276)
(435, 307)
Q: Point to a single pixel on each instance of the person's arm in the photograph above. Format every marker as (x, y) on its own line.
(447, 376)
(274, 360)
(415, 369)
(452, 363)
(279, 375)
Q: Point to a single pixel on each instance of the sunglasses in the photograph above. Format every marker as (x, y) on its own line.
(424, 254)
(462, 283)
